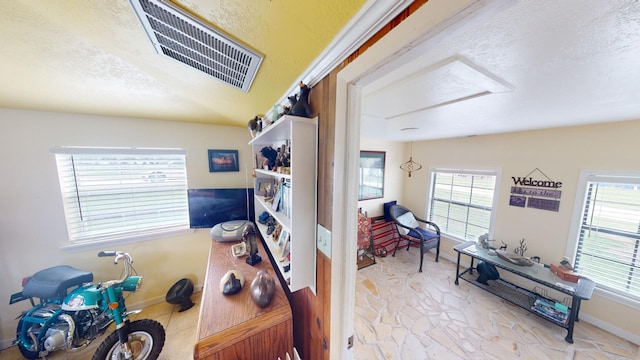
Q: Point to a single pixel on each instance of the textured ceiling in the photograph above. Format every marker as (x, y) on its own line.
(93, 57)
(497, 66)
(511, 66)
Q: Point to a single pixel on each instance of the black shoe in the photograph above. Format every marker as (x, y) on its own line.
(270, 228)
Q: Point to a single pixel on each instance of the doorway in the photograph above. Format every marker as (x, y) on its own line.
(430, 24)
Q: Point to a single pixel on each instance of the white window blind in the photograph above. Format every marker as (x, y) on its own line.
(609, 235)
(121, 193)
(461, 202)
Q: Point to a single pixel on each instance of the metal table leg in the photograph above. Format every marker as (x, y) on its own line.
(458, 270)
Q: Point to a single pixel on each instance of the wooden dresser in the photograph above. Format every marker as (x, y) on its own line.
(234, 327)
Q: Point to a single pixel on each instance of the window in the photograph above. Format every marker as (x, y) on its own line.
(371, 175)
(462, 202)
(605, 241)
(111, 194)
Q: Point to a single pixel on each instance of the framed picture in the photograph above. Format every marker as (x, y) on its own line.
(284, 235)
(223, 160)
(371, 175)
(276, 199)
(265, 186)
(281, 237)
(516, 200)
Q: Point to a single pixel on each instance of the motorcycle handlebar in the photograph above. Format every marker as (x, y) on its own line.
(128, 269)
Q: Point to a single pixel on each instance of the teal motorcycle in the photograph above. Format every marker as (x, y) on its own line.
(63, 320)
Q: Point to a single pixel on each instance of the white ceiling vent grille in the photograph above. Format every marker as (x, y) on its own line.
(180, 36)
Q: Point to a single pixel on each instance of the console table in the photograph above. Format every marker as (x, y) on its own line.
(526, 298)
(234, 327)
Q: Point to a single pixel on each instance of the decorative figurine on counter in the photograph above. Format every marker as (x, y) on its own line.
(270, 154)
(520, 250)
(483, 241)
(565, 264)
(249, 237)
(231, 283)
(262, 288)
(302, 107)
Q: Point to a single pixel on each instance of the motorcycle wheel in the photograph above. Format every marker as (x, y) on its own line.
(146, 338)
(28, 354)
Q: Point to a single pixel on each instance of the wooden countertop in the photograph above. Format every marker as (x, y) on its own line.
(225, 319)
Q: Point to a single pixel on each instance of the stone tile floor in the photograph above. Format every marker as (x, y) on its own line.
(180, 328)
(403, 314)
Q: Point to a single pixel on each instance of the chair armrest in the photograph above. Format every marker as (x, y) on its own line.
(430, 223)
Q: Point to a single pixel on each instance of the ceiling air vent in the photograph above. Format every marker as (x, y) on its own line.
(180, 36)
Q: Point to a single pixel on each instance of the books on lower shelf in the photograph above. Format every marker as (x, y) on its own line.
(557, 313)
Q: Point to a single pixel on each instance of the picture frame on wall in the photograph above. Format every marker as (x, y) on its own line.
(371, 175)
(223, 160)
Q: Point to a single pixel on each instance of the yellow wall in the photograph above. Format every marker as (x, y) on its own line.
(32, 224)
(560, 154)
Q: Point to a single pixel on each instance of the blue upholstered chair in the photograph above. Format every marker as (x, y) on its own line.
(415, 230)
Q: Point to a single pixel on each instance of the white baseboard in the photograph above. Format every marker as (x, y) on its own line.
(6, 343)
(610, 328)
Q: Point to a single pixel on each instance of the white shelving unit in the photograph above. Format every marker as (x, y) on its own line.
(300, 222)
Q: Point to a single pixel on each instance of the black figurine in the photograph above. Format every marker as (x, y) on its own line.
(231, 282)
(249, 237)
(293, 99)
(302, 107)
(233, 286)
(270, 154)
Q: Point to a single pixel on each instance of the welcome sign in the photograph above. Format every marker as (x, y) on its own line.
(535, 193)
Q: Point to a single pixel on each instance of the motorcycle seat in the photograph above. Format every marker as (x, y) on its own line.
(53, 282)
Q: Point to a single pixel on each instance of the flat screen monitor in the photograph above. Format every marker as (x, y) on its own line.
(208, 207)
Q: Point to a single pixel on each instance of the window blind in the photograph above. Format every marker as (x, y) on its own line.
(119, 193)
(609, 235)
(462, 202)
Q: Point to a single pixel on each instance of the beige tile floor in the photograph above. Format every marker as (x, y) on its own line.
(403, 314)
(180, 328)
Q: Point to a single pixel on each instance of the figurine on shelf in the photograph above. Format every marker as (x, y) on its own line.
(302, 107)
(270, 154)
(286, 154)
(280, 156)
(249, 237)
(255, 126)
(293, 99)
